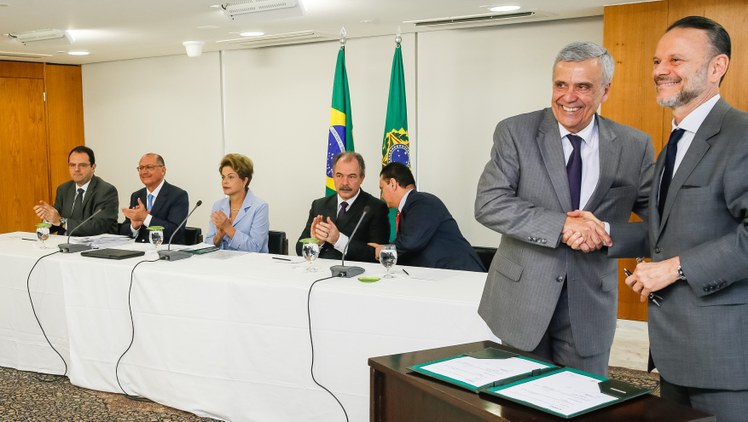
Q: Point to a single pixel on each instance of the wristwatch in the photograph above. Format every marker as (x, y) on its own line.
(64, 223)
(681, 276)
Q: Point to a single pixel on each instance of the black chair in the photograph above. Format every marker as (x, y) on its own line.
(277, 243)
(193, 235)
(485, 254)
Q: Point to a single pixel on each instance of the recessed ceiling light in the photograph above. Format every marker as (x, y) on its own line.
(252, 34)
(78, 53)
(508, 8)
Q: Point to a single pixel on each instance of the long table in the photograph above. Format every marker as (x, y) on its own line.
(225, 335)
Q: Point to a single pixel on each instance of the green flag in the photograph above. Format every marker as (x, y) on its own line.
(396, 145)
(340, 136)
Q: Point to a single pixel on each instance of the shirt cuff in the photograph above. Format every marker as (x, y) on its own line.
(341, 243)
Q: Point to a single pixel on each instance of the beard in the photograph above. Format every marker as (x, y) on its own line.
(695, 86)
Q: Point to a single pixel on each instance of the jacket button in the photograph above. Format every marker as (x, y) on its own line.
(543, 241)
(658, 250)
(560, 279)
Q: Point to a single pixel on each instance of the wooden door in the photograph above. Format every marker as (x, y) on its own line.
(24, 158)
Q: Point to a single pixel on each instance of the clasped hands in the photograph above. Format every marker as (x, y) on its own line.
(325, 230)
(583, 231)
(223, 225)
(136, 214)
(47, 212)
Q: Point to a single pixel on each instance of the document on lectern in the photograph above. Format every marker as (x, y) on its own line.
(485, 368)
(567, 392)
(564, 392)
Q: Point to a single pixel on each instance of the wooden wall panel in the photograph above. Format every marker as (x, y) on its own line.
(631, 33)
(23, 152)
(64, 118)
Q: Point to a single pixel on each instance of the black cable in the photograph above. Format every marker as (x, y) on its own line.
(132, 336)
(311, 342)
(33, 309)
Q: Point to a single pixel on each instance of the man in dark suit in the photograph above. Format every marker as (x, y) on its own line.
(541, 296)
(159, 203)
(333, 218)
(697, 234)
(427, 235)
(80, 198)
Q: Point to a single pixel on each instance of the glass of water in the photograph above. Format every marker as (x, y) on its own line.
(310, 251)
(42, 234)
(388, 258)
(156, 235)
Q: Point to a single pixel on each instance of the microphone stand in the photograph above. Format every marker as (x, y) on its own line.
(170, 255)
(76, 247)
(349, 271)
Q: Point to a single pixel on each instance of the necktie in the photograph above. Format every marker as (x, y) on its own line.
(397, 222)
(150, 202)
(77, 213)
(341, 212)
(667, 174)
(574, 170)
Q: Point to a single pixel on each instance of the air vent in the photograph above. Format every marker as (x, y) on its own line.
(288, 38)
(19, 55)
(40, 35)
(262, 8)
(474, 20)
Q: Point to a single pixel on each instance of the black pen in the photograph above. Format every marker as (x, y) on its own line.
(26, 238)
(281, 259)
(653, 297)
(406, 273)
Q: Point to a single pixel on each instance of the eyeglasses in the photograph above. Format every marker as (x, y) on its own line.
(79, 165)
(149, 167)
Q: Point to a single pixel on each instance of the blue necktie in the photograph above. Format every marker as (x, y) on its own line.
(574, 170)
(150, 202)
(341, 211)
(667, 174)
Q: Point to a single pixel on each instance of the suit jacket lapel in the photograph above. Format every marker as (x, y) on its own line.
(610, 154)
(89, 192)
(161, 199)
(552, 153)
(699, 147)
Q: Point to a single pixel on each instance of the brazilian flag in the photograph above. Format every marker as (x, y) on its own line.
(396, 145)
(340, 138)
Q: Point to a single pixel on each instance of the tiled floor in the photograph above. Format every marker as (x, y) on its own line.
(630, 345)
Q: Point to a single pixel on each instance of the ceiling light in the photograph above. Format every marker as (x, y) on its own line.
(78, 53)
(509, 8)
(41, 35)
(252, 34)
(193, 48)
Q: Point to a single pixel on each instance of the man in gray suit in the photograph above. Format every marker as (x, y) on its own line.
(540, 295)
(80, 198)
(698, 229)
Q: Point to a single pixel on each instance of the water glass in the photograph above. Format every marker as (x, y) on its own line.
(310, 251)
(388, 258)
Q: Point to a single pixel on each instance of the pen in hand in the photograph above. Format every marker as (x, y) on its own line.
(653, 297)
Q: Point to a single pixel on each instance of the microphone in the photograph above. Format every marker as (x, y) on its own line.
(349, 271)
(170, 255)
(76, 247)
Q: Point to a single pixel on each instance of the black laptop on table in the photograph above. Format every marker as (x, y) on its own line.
(109, 253)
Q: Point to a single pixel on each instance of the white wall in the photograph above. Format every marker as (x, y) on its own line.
(273, 105)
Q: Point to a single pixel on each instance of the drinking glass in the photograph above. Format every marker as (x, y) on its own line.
(388, 258)
(157, 237)
(310, 251)
(42, 234)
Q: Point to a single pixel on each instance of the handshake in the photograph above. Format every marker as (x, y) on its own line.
(584, 232)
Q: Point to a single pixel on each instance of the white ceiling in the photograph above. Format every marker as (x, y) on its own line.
(126, 29)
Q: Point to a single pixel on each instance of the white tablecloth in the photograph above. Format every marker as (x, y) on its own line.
(225, 334)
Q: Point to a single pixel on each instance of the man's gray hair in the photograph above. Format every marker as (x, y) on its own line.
(581, 51)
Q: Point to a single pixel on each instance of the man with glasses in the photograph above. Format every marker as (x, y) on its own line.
(80, 198)
(333, 218)
(159, 203)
